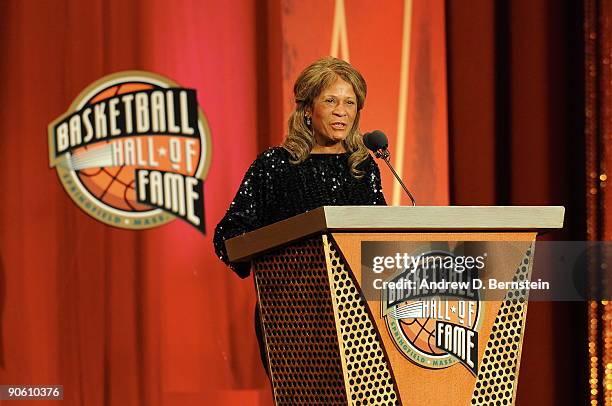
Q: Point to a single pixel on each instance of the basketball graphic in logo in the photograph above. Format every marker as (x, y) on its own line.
(133, 151)
(433, 326)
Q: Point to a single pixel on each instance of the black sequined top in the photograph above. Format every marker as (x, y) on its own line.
(274, 189)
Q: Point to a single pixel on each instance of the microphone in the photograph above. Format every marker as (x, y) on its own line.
(377, 142)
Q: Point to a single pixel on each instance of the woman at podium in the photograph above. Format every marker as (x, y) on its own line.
(322, 161)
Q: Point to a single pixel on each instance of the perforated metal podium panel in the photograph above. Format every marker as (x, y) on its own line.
(498, 374)
(299, 326)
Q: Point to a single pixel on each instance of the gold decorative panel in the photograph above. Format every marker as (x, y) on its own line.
(369, 377)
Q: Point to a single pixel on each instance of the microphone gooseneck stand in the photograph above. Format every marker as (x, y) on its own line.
(385, 155)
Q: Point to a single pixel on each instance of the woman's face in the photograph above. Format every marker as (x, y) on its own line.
(333, 113)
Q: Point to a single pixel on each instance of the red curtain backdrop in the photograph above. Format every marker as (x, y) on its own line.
(117, 316)
(153, 317)
(516, 113)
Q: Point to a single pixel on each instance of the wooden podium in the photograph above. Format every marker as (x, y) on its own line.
(329, 343)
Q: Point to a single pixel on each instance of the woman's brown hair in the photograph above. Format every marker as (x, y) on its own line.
(311, 82)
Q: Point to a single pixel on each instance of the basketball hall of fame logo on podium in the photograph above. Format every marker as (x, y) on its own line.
(433, 313)
(133, 151)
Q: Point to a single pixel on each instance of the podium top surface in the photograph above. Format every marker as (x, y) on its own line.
(395, 219)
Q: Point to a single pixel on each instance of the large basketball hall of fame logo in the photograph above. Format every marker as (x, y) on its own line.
(431, 309)
(133, 150)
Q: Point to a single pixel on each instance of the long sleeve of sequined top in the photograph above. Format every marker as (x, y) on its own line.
(274, 189)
